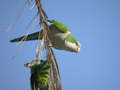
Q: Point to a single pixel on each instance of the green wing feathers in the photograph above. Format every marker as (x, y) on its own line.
(70, 38)
(60, 26)
(40, 74)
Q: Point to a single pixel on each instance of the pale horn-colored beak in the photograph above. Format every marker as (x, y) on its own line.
(78, 50)
(27, 65)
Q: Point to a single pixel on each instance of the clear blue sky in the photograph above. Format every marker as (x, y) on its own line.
(95, 23)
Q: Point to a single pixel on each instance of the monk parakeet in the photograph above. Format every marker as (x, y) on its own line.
(59, 35)
(40, 74)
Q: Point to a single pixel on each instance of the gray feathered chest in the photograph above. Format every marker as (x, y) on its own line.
(58, 40)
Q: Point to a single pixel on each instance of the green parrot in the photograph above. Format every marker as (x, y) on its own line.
(60, 36)
(40, 74)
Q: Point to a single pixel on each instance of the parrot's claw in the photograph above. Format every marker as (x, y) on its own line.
(50, 45)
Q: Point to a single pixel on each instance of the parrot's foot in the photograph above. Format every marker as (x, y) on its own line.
(50, 45)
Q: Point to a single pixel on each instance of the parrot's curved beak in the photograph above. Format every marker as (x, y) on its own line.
(78, 50)
(50, 21)
(27, 65)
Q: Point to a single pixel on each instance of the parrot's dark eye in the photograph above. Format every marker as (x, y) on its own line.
(78, 44)
(51, 21)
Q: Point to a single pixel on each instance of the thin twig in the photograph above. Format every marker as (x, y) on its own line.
(17, 18)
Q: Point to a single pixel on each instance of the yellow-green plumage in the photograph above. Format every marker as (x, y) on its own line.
(59, 35)
(60, 26)
(40, 74)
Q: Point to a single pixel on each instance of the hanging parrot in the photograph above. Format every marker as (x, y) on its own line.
(60, 36)
(40, 74)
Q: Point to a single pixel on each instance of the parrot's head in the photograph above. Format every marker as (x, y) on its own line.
(51, 21)
(73, 47)
(32, 63)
